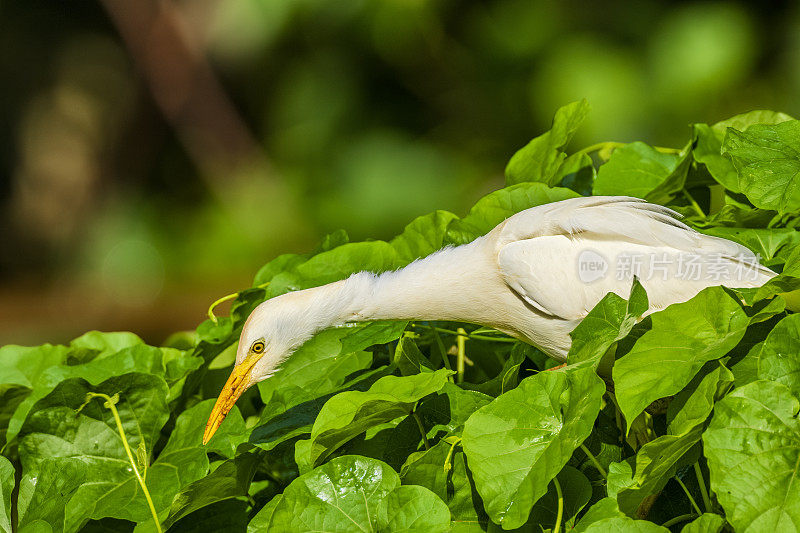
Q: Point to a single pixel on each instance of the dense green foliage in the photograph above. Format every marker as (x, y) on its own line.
(368, 428)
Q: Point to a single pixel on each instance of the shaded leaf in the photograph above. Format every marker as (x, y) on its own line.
(230, 479)
(408, 358)
(576, 492)
(454, 485)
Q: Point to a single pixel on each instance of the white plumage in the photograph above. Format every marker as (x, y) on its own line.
(526, 277)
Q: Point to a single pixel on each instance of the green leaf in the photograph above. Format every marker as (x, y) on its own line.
(231, 479)
(706, 523)
(658, 460)
(778, 359)
(43, 495)
(518, 443)
(576, 492)
(577, 172)
(603, 510)
(624, 525)
(391, 441)
(224, 515)
(408, 358)
(708, 144)
(261, 520)
(454, 485)
(707, 150)
(608, 322)
(343, 495)
(495, 207)
(350, 413)
(81, 453)
(7, 483)
(317, 369)
(105, 364)
(423, 236)
(767, 243)
(189, 427)
(296, 382)
(682, 338)
(540, 159)
(507, 378)
(605, 516)
(282, 263)
(364, 335)
(413, 509)
(636, 169)
(99, 343)
(675, 182)
(753, 451)
(690, 407)
(337, 264)
(767, 158)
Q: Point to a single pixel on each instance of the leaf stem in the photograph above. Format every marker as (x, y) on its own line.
(110, 404)
(461, 342)
(700, 481)
(689, 494)
(473, 337)
(693, 203)
(679, 519)
(227, 297)
(560, 514)
(594, 461)
(447, 462)
(421, 429)
(217, 302)
(610, 145)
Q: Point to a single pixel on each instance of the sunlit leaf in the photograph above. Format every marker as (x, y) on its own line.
(753, 451)
(680, 340)
(540, 159)
(518, 443)
(349, 413)
(767, 158)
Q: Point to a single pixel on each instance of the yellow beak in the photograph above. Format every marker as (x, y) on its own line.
(237, 383)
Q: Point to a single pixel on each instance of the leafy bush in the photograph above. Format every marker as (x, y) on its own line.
(367, 428)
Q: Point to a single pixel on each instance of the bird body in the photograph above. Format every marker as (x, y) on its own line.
(534, 277)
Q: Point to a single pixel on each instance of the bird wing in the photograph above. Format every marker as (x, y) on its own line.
(541, 253)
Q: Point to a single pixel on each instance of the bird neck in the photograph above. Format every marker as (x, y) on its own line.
(441, 286)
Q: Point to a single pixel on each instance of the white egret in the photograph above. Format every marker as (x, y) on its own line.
(534, 277)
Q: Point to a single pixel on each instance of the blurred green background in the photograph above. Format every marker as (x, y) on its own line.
(155, 153)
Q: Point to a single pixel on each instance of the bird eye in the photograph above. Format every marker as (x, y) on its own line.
(257, 347)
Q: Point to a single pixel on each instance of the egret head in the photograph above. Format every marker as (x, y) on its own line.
(261, 350)
(274, 330)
